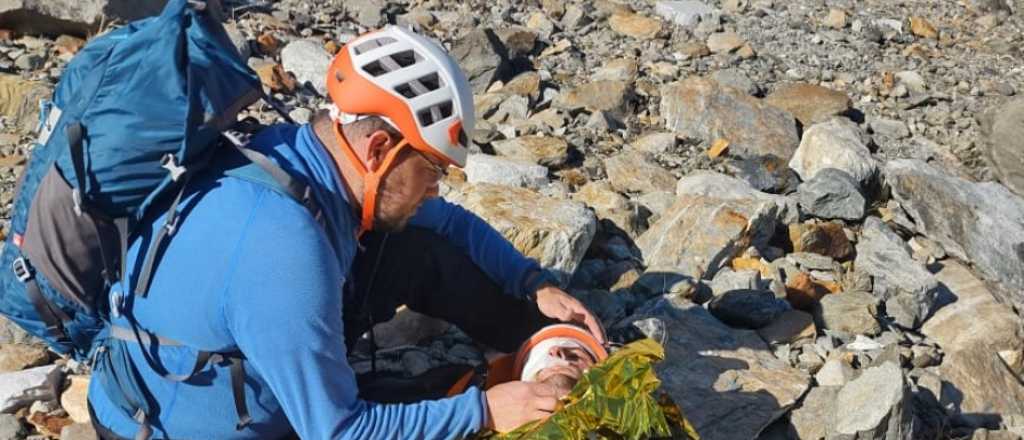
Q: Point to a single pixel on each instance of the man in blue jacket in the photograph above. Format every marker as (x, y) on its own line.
(250, 270)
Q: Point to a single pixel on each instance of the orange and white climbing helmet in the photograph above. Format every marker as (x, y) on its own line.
(411, 82)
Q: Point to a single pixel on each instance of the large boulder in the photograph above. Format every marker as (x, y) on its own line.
(699, 234)
(702, 108)
(981, 338)
(726, 381)
(19, 100)
(836, 143)
(554, 232)
(978, 222)
(1003, 128)
(80, 17)
(910, 292)
(876, 405)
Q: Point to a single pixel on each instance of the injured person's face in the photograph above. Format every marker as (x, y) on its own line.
(559, 362)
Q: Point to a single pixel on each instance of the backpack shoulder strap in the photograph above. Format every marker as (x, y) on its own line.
(263, 171)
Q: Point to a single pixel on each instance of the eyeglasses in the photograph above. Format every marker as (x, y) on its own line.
(440, 171)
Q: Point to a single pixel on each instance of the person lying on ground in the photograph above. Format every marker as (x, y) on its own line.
(557, 356)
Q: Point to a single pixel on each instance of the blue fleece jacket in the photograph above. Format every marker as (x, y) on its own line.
(250, 269)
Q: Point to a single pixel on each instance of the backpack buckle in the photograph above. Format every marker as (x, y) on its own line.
(22, 270)
(170, 163)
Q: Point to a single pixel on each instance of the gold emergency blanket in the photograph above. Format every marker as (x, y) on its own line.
(614, 399)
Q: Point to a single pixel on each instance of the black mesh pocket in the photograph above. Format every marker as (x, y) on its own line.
(67, 247)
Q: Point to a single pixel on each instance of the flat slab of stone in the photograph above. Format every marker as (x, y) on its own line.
(703, 108)
(726, 381)
(699, 235)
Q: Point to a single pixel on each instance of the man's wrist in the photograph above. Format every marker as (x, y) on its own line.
(536, 281)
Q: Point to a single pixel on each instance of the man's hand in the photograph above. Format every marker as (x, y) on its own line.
(513, 404)
(555, 303)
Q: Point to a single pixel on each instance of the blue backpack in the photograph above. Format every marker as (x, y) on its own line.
(136, 114)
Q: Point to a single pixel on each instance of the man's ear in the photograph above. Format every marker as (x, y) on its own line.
(377, 146)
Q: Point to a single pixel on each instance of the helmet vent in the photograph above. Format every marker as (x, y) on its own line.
(420, 86)
(373, 44)
(391, 63)
(435, 113)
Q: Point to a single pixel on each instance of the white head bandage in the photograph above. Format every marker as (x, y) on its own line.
(540, 356)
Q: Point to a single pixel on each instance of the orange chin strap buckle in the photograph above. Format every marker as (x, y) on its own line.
(371, 180)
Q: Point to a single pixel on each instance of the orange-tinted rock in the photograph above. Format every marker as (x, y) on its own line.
(802, 293)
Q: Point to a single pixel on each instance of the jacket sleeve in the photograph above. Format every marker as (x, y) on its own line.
(284, 310)
(517, 274)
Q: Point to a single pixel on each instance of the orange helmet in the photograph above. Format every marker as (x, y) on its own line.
(559, 331)
(412, 83)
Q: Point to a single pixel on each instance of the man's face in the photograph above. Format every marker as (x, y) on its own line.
(565, 364)
(413, 178)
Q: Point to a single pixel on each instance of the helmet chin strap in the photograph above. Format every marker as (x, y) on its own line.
(371, 179)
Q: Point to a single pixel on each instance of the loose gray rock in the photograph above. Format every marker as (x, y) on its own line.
(712, 184)
(55, 17)
(852, 312)
(725, 380)
(368, 13)
(835, 373)
(482, 57)
(751, 309)
(20, 388)
(610, 205)
(635, 172)
(890, 128)
(765, 173)
(837, 143)
(876, 405)
(612, 96)
(309, 62)
(21, 100)
(482, 168)
(832, 194)
(10, 427)
(30, 61)
(910, 292)
(736, 79)
(78, 431)
(548, 151)
(817, 405)
(1003, 129)
(685, 13)
(810, 104)
(702, 108)
(727, 280)
(978, 222)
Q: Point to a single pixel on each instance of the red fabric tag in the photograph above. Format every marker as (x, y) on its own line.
(18, 240)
